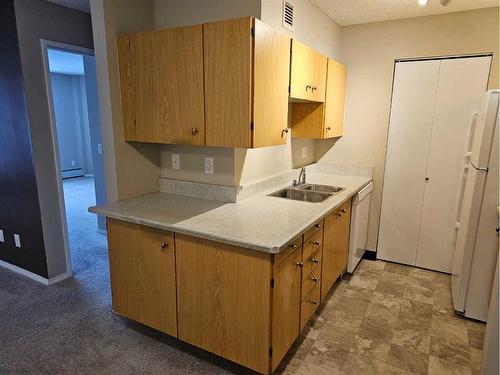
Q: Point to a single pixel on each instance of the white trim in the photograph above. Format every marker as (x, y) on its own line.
(59, 278)
(45, 44)
(25, 273)
(34, 276)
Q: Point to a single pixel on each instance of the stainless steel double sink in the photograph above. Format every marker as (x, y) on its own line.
(307, 192)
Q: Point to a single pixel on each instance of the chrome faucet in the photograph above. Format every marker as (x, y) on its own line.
(302, 178)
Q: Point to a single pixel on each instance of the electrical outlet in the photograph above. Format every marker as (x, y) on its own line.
(209, 165)
(2, 239)
(176, 163)
(17, 240)
(304, 152)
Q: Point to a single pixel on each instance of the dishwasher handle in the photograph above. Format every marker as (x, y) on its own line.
(363, 193)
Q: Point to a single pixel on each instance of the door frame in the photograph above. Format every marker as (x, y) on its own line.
(45, 45)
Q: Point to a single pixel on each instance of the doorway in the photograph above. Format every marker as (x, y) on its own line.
(74, 111)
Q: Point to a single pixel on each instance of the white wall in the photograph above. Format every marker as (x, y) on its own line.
(369, 52)
(312, 27)
(132, 169)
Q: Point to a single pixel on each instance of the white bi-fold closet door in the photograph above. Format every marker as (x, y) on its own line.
(432, 103)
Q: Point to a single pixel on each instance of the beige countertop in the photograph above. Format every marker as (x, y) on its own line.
(260, 222)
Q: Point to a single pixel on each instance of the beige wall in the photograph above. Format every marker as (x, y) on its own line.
(132, 169)
(369, 52)
(312, 27)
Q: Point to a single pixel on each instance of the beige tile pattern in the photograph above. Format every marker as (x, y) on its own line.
(388, 318)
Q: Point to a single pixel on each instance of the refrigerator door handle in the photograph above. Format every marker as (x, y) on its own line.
(470, 138)
(461, 197)
(480, 169)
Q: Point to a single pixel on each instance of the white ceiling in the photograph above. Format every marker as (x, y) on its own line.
(81, 5)
(65, 62)
(351, 12)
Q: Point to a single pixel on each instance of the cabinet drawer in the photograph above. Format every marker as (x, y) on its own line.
(312, 244)
(309, 305)
(315, 228)
(286, 251)
(311, 281)
(310, 263)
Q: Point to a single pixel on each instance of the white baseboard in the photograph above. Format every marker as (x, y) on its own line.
(34, 276)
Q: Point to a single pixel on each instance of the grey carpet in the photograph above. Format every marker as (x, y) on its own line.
(69, 328)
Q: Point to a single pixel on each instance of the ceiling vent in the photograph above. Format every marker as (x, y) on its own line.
(288, 15)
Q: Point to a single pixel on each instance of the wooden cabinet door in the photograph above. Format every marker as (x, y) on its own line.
(224, 296)
(341, 241)
(228, 82)
(270, 85)
(328, 262)
(308, 73)
(135, 54)
(142, 268)
(335, 98)
(286, 306)
(335, 246)
(178, 106)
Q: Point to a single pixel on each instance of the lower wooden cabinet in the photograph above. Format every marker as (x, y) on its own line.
(286, 306)
(224, 297)
(142, 268)
(246, 306)
(335, 246)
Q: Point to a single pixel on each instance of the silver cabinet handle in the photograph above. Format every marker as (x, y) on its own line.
(314, 88)
(293, 246)
(300, 264)
(194, 131)
(308, 87)
(317, 225)
(328, 128)
(314, 260)
(164, 245)
(313, 302)
(314, 279)
(316, 243)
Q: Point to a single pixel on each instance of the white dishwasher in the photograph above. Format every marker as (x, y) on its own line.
(359, 226)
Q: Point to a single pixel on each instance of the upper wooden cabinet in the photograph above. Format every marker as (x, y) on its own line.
(308, 73)
(323, 120)
(218, 84)
(161, 76)
(246, 83)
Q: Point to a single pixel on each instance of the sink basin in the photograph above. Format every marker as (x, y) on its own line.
(321, 188)
(301, 195)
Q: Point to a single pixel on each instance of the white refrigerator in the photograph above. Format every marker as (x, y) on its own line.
(476, 248)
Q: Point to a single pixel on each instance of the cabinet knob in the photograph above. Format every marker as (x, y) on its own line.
(317, 225)
(284, 131)
(340, 213)
(314, 88)
(164, 245)
(328, 128)
(308, 87)
(314, 279)
(313, 302)
(314, 260)
(316, 243)
(293, 246)
(343, 210)
(300, 264)
(194, 131)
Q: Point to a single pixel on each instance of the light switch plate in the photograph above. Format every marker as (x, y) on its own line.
(209, 165)
(176, 163)
(17, 240)
(99, 148)
(304, 152)
(2, 239)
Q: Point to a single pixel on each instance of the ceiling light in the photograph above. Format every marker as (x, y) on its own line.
(423, 2)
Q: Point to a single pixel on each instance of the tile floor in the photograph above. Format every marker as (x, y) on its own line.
(388, 319)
